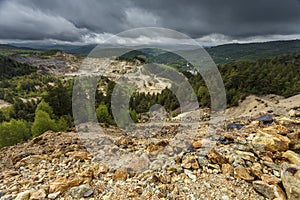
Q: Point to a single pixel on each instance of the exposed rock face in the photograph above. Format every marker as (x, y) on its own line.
(255, 162)
(57, 64)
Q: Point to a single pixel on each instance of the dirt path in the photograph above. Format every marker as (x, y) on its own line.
(4, 104)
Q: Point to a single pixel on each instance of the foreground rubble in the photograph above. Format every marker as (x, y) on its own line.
(256, 162)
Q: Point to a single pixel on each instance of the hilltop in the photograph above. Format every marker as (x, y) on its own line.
(257, 161)
(254, 154)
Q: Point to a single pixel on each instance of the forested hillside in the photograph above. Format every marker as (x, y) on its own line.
(233, 52)
(44, 102)
(222, 54)
(10, 68)
(279, 75)
(276, 75)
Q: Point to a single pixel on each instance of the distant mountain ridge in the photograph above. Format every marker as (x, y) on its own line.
(251, 51)
(221, 54)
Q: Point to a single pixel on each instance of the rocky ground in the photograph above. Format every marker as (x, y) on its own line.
(259, 161)
(256, 105)
(58, 64)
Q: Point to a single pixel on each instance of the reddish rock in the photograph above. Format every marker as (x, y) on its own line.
(269, 179)
(256, 170)
(38, 195)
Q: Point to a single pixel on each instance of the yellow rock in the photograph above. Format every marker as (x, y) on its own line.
(196, 144)
(62, 184)
(293, 157)
(270, 141)
(242, 173)
(120, 175)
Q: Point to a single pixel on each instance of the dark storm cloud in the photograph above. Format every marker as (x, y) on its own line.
(230, 17)
(74, 20)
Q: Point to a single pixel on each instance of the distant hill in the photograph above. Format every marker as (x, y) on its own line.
(221, 54)
(8, 50)
(232, 52)
(74, 49)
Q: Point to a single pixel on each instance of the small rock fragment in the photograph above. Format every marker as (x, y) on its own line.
(196, 144)
(88, 193)
(62, 184)
(269, 191)
(226, 168)
(190, 161)
(190, 174)
(23, 195)
(270, 142)
(215, 157)
(79, 191)
(53, 195)
(120, 175)
(38, 194)
(293, 157)
(242, 173)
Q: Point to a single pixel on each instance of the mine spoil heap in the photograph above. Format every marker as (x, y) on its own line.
(255, 162)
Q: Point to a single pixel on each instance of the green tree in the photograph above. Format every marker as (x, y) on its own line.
(45, 107)
(59, 98)
(134, 116)
(42, 122)
(13, 132)
(2, 116)
(103, 114)
(63, 123)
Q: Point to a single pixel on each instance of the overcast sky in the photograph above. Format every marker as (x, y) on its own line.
(210, 22)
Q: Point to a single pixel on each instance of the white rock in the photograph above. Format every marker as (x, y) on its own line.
(190, 174)
(23, 195)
